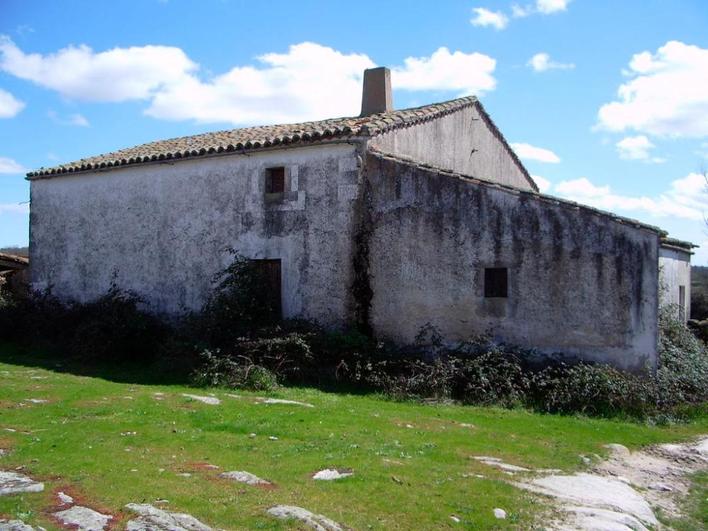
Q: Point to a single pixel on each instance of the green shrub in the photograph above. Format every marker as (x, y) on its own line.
(682, 377)
(237, 305)
(218, 370)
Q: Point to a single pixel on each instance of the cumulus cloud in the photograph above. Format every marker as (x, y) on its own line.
(665, 95)
(9, 105)
(9, 166)
(541, 62)
(79, 73)
(637, 148)
(548, 7)
(485, 17)
(686, 198)
(544, 185)
(543, 7)
(307, 82)
(529, 152)
(466, 73)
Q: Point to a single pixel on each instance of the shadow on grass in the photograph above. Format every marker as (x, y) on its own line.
(159, 372)
(171, 371)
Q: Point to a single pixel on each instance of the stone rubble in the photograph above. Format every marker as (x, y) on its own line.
(307, 518)
(211, 400)
(17, 525)
(83, 518)
(282, 401)
(153, 519)
(13, 483)
(245, 477)
(65, 498)
(331, 474)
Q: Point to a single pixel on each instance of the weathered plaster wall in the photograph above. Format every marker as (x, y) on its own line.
(675, 272)
(162, 229)
(579, 282)
(462, 141)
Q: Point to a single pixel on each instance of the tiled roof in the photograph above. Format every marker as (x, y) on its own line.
(252, 138)
(681, 245)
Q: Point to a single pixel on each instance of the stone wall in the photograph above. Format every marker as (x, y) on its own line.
(464, 141)
(579, 281)
(675, 278)
(162, 230)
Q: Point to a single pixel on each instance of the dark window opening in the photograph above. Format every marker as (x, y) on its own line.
(270, 273)
(682, 303)
(496, 282)
(275, 180)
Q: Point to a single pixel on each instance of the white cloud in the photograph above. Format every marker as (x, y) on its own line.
(485, 17)
(543, 7)
(14, 208)
(686, 198)
(637, 148)
(529, 152)
(310, 81)
(73, 119)
(77, 72)
(9, 105)
(548, 7)
(7, 165)
(467, 73)
(665, 96)
(307, 82)
(542, 62)
(544, 185)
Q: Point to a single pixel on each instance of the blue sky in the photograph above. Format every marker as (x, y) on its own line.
(605, 101)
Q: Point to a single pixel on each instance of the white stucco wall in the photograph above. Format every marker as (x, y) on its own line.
(675, 273)
(161, 230)
(461, 141)
(580, 282)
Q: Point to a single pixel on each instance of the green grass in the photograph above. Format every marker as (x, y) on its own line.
(405, 477)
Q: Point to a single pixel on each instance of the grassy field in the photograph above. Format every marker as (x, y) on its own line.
(109, 441)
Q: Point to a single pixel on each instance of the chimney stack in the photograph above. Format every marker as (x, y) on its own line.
(376, 96)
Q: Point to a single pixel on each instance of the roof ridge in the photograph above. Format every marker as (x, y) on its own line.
(259, 137)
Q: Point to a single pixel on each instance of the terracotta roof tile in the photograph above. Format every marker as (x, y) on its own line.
(250, 138)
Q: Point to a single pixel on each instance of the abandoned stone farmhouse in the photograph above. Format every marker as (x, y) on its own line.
(390, 220)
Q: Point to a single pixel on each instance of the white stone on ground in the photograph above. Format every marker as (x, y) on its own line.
(36, 400)
(65, 498)
(244, 477)
(17, 525)
(282, 401)
(211, 400)
(311, 520)
(498, 463)
(3, 452)
(595, 492)
(13, 483)
(331, 474)
(602, 519)
(83, 518)
(153, 519)
(499, 513)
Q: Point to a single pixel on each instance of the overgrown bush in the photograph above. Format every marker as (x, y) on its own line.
(682, 377)
(238, 306)
(219, 370)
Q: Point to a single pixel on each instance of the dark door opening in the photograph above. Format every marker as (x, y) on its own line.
(272, 276)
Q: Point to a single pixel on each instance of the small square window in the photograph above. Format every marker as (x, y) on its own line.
(496, 282)
(275, 180)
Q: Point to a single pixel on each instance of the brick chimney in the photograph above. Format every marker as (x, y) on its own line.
(376, 96)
